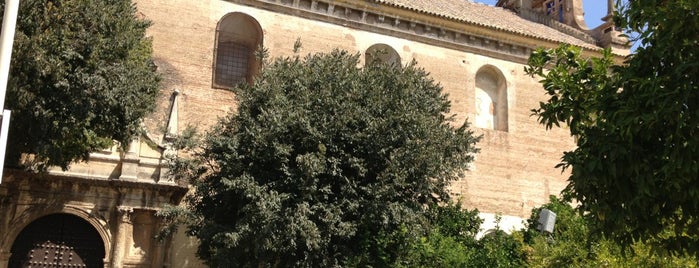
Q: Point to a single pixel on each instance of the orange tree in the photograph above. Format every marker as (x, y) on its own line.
(635, 171)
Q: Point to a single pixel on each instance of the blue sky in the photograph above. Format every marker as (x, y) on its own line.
(594, 10)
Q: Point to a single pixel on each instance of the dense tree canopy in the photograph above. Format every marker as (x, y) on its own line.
(635, 171)
(325, 163)
(450, 241)
(81, 77)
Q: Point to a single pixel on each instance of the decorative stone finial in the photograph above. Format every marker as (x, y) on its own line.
(172, 120)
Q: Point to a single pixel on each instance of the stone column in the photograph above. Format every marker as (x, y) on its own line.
(123, 235)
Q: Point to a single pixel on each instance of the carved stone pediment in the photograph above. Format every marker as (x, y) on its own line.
(143, 161)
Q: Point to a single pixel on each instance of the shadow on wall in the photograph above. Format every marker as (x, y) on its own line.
(184, 249)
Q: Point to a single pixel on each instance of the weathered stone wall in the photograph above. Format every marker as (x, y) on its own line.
(514, 170)
(119, 192)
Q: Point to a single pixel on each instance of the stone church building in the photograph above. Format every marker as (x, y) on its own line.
(102, 213)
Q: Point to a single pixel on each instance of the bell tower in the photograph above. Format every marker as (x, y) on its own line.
(566, 14)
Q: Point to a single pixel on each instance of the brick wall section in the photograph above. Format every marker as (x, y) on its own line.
(514, 171)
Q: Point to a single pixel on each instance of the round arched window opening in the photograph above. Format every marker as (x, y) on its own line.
(238, 36)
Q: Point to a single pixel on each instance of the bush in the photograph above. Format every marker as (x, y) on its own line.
(573, 245)
(451, 242)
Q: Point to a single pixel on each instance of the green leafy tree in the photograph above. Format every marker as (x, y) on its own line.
(571, 245)
(451, 241)
(81, 76)
(635, 170)
(568, 245)
(452, 220)
(324, 164)
(499, 250)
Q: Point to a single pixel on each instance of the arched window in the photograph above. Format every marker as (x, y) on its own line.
(238, 36)
(381, 53)
(554, 9)
(491, 99)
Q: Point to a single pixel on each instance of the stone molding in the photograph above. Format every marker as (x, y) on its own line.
(341, 13)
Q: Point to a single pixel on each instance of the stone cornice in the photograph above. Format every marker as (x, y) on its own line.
(392, 21)
(16, 175)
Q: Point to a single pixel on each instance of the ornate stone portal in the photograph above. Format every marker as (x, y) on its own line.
(115, 195)
(118, 197)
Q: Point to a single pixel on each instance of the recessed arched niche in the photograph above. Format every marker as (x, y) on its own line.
(491, 99)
